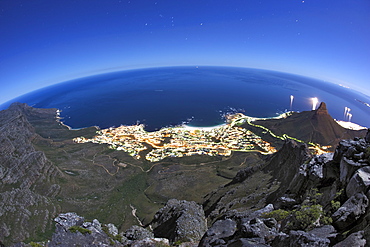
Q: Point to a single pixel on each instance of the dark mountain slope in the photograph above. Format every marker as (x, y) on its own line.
(27, 179)
(309, 126)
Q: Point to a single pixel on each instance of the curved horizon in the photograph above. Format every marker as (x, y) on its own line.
(2, 104)
(203, 94)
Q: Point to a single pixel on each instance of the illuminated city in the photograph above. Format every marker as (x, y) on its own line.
(182, 141)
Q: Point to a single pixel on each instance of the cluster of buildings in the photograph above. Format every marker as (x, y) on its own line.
(181, 141)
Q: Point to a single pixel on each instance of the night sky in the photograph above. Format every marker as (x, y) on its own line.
(43, 42)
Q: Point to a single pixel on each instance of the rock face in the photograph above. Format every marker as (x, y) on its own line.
(26, 179)
(180, 221)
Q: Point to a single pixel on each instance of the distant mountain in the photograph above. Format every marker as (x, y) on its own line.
(315, 126)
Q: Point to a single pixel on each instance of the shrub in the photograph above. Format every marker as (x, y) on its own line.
(326, 220)
(33, 244)
(278, 214)
(74, 229)
(335, 205)
(307, 215)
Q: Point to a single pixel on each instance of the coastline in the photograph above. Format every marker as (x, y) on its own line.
(59, 120)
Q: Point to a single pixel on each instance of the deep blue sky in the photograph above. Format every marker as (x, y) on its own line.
(43, 42)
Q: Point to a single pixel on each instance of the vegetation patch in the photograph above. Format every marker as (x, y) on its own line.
(34, 244)
(82, 230)
(308, 215)
(278, 214)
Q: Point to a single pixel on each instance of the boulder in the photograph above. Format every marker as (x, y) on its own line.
(150, 242)
(350, 211)
(112, 229)
(254, 229)
(359, 182)
(327, 231)
(300, 239)
(180, 221)
(138, 233)
(219, 233)
(355, 239)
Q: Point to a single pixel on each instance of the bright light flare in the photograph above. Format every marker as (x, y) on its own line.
(291, 101)
(349, 117)
(315, 100)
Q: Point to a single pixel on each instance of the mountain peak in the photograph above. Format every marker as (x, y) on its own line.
(322, 109)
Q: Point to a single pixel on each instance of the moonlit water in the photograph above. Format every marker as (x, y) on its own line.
(195, 96)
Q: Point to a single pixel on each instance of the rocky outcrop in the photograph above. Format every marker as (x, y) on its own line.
(73, 230)
(321, 200)
(180, 221)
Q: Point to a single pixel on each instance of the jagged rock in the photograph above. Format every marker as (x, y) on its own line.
(219, 233)
(267, 209)
(348, 168)
(350, 211)
(359, 182)
(270, 222)
(355, 239)
(112, 229)
(69, 219)
(314, 168)
(150, 242)
(246, 242)
(96, 224)
(249, 214)
(242, 174)
(285, 166)
(341, 150)
(327, 231)
(300, 239)
(254, 229)
(180, 221)
(285, 202)
(138, 233)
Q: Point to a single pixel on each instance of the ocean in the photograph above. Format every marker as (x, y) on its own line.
(160, 97)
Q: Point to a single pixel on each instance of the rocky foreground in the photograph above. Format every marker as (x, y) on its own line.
(312, 201)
